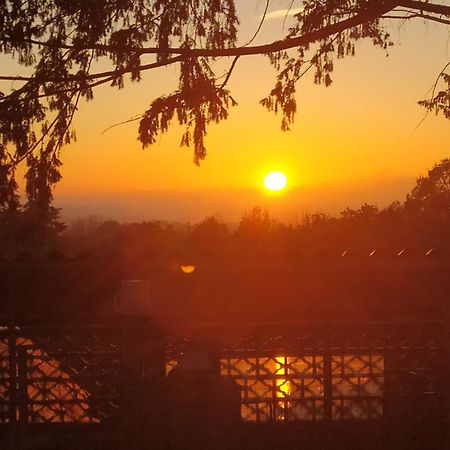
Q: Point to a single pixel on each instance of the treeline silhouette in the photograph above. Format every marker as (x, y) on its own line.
(417, 225)
(367, 262)
(356, 232)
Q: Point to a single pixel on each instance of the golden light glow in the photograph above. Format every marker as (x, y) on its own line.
(283, 384)
(327, 149)
(275, 181)
(188, 268)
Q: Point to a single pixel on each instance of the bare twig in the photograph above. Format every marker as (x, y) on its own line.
(433, 92)
(107, 77)
(230, 71)
(261, 22)
(133, 119)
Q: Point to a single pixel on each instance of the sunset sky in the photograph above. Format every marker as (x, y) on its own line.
(355, 141)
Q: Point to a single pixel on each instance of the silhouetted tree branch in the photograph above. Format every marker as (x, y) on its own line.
(59, 40)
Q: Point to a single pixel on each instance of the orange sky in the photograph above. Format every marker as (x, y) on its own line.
(353, 142)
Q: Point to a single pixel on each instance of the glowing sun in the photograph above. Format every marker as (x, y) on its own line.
(275, 181)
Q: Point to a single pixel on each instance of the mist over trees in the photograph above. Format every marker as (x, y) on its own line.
(367, 263)
(416, 225)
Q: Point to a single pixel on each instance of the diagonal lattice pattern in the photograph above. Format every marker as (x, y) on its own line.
(4, 380)
(333, 372)
(59, 377)
(278, 388)
(357, 386)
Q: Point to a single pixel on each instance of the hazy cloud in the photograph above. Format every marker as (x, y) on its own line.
(230, 204)
(282, 13)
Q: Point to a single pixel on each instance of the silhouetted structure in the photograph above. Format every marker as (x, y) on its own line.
(367, 386)
(318, 374)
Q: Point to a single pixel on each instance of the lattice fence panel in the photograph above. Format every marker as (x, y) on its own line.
(279, 388)
(357, 386)
(414, 357)
(337, 372)
(62, 377)
(4, 380)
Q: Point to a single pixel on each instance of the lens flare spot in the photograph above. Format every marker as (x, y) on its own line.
(188, 268)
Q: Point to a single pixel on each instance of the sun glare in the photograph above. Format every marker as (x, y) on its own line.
(275, 181)
(187, 268)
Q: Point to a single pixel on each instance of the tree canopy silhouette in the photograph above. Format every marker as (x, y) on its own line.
(403, 228)
(429, 201)
(60, 41)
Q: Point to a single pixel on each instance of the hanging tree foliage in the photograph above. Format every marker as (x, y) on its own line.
(60, 41)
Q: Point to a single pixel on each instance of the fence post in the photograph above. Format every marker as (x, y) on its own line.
(444, 382)
(204, 406)
(327, 372)
(143, 390)
(12, 373)
(22, 389)
(154, 395)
